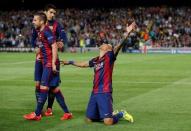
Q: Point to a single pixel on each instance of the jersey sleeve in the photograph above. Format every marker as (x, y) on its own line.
(111, 56)
(50, 37)
(34, 38)
(62, 34)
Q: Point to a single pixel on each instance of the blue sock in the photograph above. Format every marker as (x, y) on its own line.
(117, 117)
(60, 100)
(51, 97)
(41, 101)
(37, 91)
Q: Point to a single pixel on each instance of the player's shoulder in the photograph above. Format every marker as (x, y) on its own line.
(56, 23)
(110, 52)
(111, 55)
(35, 31)
(95, 58)
(47, 29)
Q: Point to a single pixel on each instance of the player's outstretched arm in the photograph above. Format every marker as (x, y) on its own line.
(118, 47)
(83, 64)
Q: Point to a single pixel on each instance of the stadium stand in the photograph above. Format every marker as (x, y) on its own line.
(157, 26)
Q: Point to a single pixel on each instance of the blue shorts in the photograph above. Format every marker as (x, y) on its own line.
(55, 78)
(38, 70)
(49, 78)
(100, 106)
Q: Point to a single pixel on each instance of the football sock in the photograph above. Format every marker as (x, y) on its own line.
(117, 117)
(61, 101)
(41, 101)
(51, 97)
(37, 91)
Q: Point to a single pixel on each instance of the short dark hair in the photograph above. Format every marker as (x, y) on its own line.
(42, 16)
(49, 6)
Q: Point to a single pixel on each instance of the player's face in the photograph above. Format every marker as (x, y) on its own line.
(50, 14)
(106, 47)
(37, 22)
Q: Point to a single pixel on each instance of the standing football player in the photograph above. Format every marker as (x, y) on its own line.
(61, 38)
(100, 103)
(50, 79)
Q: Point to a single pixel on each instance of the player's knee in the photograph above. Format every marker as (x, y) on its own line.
(37, 84)
(43, 88)
(108, 121)
(57, 89)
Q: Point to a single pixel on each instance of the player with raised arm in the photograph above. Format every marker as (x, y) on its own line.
(100, 102)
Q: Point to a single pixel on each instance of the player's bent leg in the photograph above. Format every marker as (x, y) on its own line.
(40, 103)
(51, 97)
(37, 84)
(92, 112)
(54, 82)
(60, 99)
(123, 114)
(37, 89)
(114, 119)
(127, 116)
(108, 121)
(104, 102)
(37, 77)
(90, 120)
(41, 100)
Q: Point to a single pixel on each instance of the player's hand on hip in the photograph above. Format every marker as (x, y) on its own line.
(38, 57)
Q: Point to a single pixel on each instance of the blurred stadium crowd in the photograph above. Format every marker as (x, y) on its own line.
(157, 26)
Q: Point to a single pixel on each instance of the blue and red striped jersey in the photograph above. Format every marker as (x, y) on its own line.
(103, 69)
(58, 31)
(45, 40)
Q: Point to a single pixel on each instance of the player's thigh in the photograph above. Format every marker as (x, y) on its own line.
(38, 70)
(46, 76)
(92, 109)
(105, 105)
(55, 80)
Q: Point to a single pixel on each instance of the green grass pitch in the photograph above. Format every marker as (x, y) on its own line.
(154, 88)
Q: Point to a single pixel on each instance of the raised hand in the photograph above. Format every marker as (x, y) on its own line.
(130, 28)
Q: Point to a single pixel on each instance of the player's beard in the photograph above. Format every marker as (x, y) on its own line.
(36, 27)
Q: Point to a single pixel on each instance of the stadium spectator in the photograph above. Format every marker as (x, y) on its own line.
(158, 26)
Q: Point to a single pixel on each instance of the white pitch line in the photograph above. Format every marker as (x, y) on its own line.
(15, 63)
